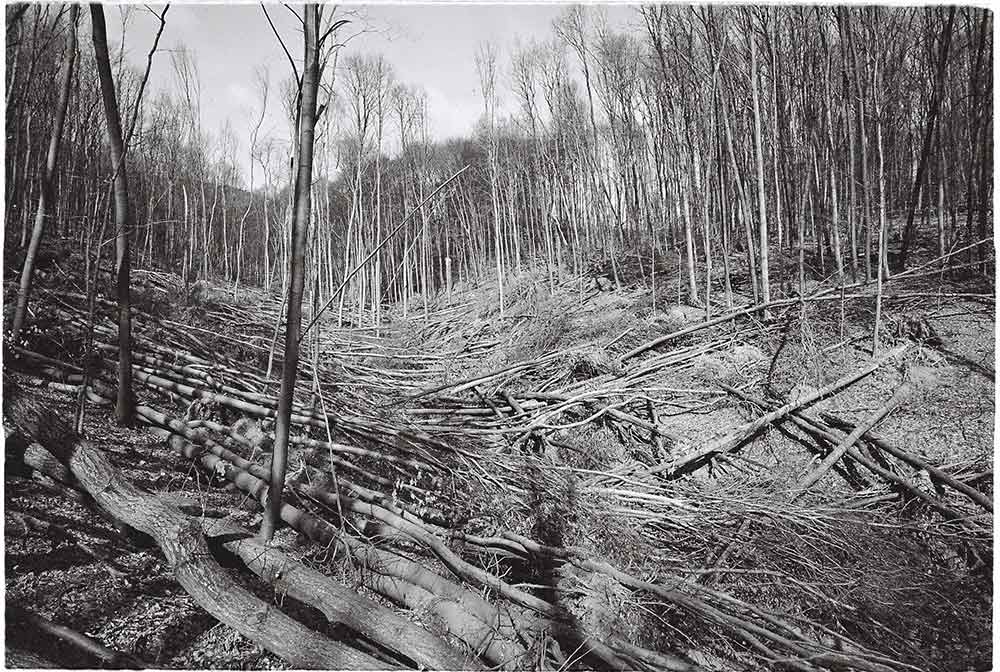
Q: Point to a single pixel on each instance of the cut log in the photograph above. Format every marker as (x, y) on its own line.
(249, 408)
(466, 615)
(183, 545)
(338, 603)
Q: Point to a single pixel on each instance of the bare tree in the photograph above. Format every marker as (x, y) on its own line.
(486, 66)
(125, 406)
(765, 285)
(296, 270)
(46, 197)
(932, 115)
(263, 83)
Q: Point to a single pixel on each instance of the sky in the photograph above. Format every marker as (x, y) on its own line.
(429, 45)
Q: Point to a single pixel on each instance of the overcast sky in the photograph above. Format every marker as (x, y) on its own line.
(429, 45)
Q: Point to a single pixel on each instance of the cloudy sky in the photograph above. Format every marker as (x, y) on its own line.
(429, 45)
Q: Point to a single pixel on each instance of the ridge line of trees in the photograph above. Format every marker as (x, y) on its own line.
(745, 135)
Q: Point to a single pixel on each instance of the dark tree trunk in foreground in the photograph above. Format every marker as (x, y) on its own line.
(46, 198)
(300, 229)
(125, 408)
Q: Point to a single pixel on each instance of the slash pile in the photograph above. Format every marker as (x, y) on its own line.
(538, 497)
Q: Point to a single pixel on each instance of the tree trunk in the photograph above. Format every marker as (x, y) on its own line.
(125, 408)
(46, 196)
(925, 150)
(881, 214)
(765, 286)
(296, 269)
(834, 195)
(859, 113)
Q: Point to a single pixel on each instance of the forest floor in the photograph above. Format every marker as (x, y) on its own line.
(870, 561)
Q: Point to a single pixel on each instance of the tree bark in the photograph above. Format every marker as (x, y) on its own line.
(125, 407)
(300, 229)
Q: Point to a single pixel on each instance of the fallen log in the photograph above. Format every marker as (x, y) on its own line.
(734, 439)
(936, 474)
(398, 568)
(337, 602)
(898, 397)
(182, 543)
(390, 571)
(466, 615)
(638, 350)
(192, 392)
(821, 295)
(818, 428)
(609, 409)
(422, 512)
(460, 385)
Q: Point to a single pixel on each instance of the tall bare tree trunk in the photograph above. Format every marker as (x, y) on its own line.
(46, 195)
(925, 151)
(743, 202)
(765, 285)
(881, 213)
(859, 111)
(125, 408)
(852, 199)
(834, 194)
(296, 269)
(941, 179)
